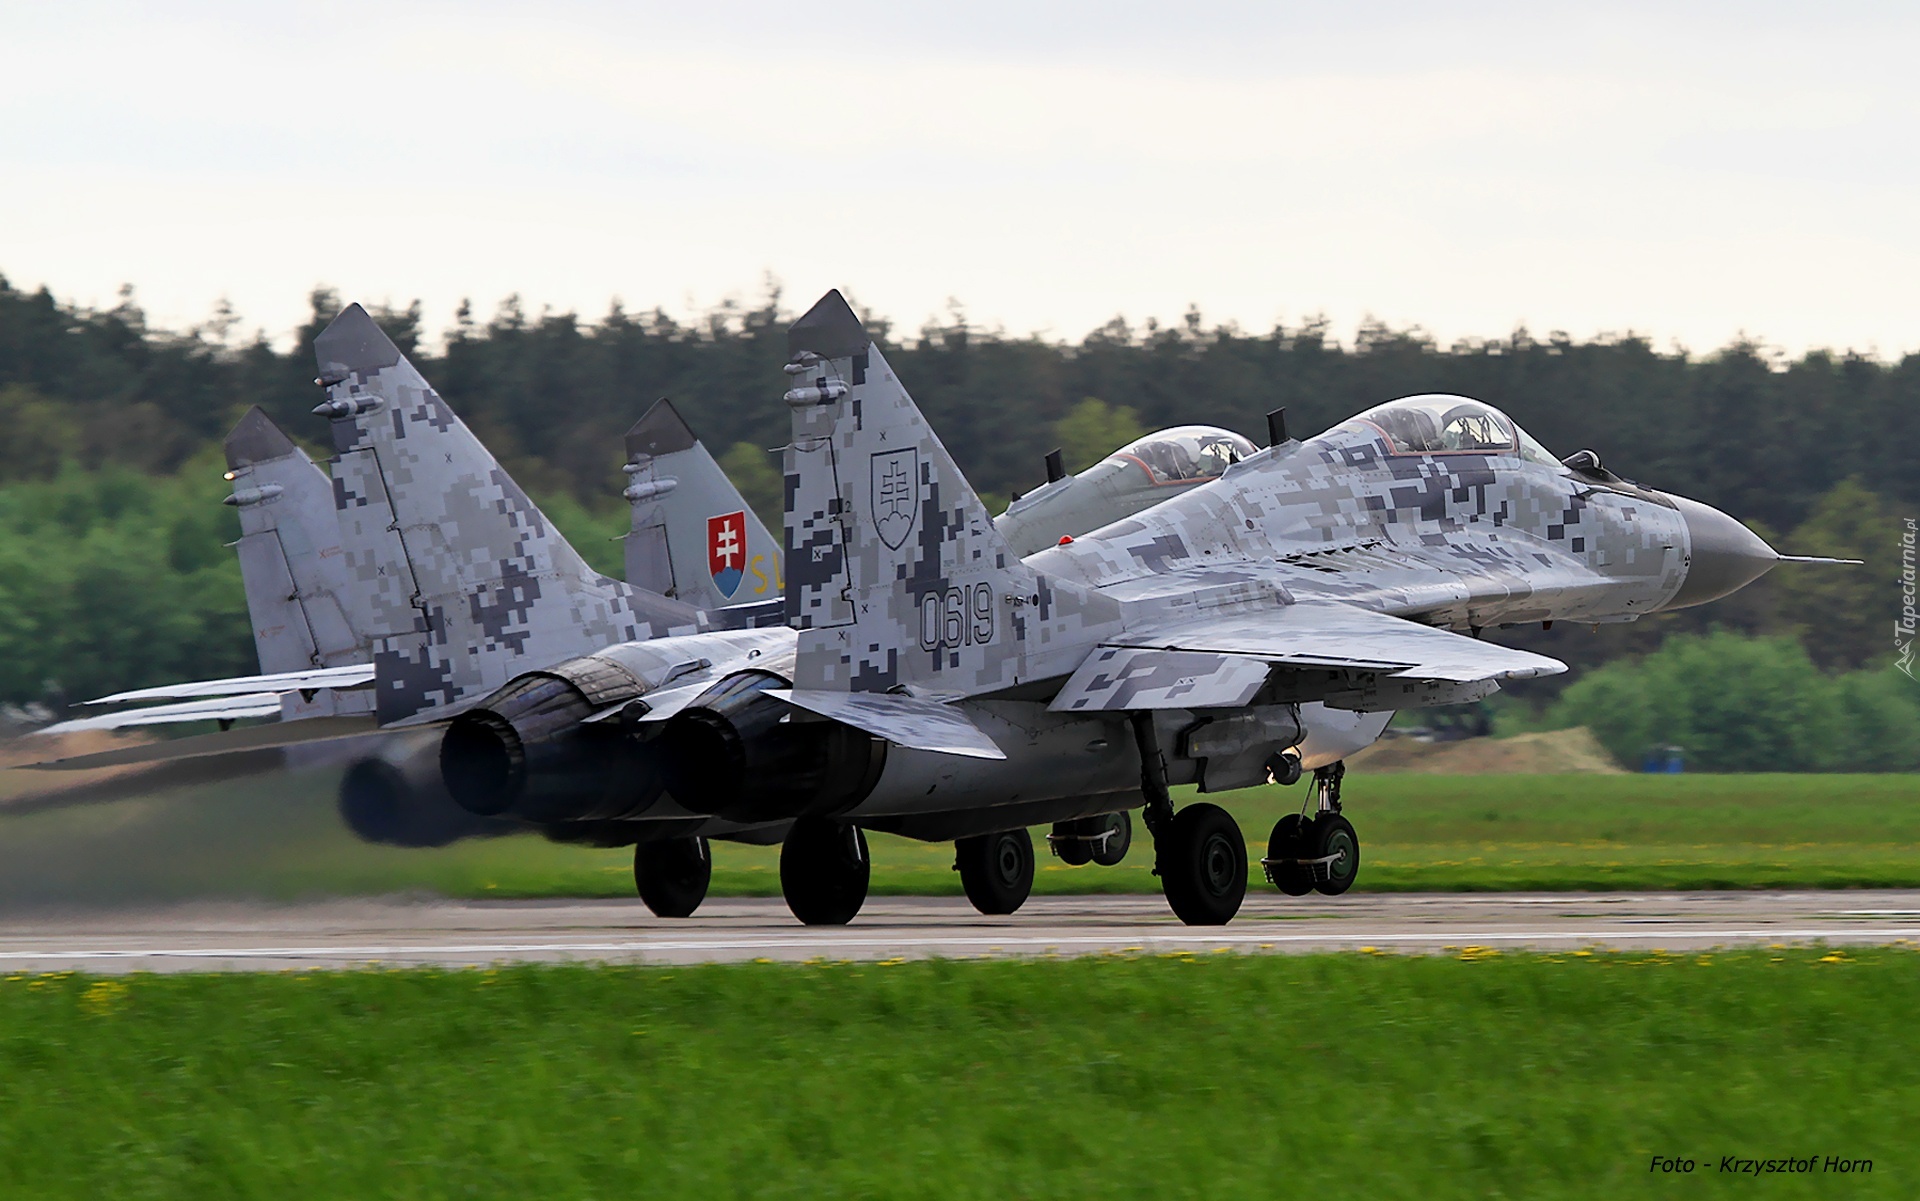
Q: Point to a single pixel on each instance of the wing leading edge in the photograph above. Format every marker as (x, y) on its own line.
(1222, 661)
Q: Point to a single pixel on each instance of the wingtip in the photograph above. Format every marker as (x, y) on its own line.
(829, 329)
(353, 343)
(255, 439)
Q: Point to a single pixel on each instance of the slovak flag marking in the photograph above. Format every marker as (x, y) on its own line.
(727, 550)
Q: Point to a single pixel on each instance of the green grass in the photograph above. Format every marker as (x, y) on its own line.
(1226, 1076)
(279, 838)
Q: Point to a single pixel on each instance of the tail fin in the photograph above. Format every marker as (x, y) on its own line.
(693, 536)
(291, 565)
(896, 575)
(469, 584)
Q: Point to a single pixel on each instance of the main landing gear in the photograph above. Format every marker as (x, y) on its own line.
(1198, 853)
(1319, 853)
(672, 874)
(824, 870)
(996, 870)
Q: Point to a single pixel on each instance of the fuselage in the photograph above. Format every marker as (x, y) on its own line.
(1468, 537)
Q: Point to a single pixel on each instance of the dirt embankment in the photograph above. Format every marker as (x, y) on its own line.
(1556, 752)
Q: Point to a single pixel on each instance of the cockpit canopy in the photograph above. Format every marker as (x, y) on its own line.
(1184, 453)
(1438, 424)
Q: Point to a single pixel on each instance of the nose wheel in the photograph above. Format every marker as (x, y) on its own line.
(1319, 853)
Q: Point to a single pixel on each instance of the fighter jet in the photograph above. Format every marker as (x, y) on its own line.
(498, 578)
(932, 683)
(1262, 624)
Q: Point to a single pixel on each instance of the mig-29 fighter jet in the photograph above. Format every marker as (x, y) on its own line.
(931, 683)
(942, 686)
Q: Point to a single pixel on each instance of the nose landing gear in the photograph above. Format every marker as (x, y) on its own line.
(1317, 854)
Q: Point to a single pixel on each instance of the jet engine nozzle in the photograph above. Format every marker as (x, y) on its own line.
(528, 751)
(740, 754)
(1725, 557)
(394, 796)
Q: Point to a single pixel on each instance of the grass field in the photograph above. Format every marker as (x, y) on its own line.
(280, 838)
(1479, 1075)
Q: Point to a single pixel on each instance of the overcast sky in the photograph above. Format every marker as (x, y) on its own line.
(1687, 172)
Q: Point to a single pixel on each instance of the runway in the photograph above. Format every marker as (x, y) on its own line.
(400, 932)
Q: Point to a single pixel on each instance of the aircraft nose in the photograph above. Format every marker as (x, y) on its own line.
(1726, 557)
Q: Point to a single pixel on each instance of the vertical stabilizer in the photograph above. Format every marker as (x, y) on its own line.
(896, 575)
(693, 536)
(291, 564)
(469, 584)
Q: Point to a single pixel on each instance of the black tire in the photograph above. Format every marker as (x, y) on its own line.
(1289, 841)
(1067, 844)
(824, 871)
(1333, 835)
(1202, 861)
(996, 870)
(1114, 849)
(672, 874)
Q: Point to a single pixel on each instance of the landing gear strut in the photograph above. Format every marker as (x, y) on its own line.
(1199, 855)
(672, 874)
(996, 870)
(824, 870)
(1321, 853)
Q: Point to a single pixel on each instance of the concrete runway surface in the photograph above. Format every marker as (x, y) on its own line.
(226, 936)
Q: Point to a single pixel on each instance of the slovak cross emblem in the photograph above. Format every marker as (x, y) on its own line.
(896, 494)
(727, 550)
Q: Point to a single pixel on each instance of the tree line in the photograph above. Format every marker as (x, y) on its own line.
(1741, 428)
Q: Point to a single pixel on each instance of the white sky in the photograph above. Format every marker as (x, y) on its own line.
(1688, 172)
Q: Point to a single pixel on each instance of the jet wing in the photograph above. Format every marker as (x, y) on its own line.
(227, 742)
(351, 676)
(916, 723)
(1203, 662)
(1123, 677)
(220, 708)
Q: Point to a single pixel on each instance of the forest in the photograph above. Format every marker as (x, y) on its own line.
(113, 571)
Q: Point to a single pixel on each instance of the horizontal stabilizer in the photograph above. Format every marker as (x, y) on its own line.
(1116, 678)
(226, 742)
(906, 721)
(350, 676)
(219, 708)
(1330, 634)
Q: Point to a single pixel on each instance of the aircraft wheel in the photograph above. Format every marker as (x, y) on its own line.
(1333, 835)
(1202, 860)
(996, 870)
(1288, 844)
(1118, 827)
(672, 874)
(824, 871)
(1068, 846)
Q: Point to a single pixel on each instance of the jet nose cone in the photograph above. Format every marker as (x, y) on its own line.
(1726, 555)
